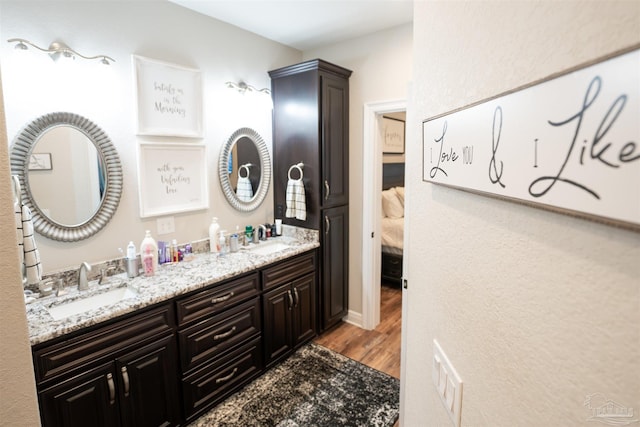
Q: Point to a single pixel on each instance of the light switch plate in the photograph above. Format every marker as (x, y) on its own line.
(448, 384)
(165, 225)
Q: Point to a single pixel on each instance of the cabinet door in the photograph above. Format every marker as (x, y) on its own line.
(148, 386)
(277, 309)
(304, 325)
(335, 251)
(335, 137)
(88, 399)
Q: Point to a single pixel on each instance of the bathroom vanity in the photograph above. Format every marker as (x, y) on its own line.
(188, 338)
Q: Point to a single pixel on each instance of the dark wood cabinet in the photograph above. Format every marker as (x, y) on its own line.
(289, 306)
(311, 125)
(335, 253)
(103, 378)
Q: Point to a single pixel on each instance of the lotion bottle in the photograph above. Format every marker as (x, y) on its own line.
(149, 243)
(147, 262)
(214, 230)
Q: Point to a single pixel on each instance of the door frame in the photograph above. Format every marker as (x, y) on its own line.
(372, 197)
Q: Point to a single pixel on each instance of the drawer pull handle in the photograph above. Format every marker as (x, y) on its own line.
(290, 299)
(225, 334)
(228, 377)
(327, 190)
(222, 299)
(112, 389)
(125, 379)
(327, 224)
(296, 297)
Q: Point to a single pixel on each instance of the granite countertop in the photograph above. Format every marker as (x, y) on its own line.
(170, 280)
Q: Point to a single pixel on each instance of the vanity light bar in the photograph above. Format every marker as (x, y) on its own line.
(56, 49)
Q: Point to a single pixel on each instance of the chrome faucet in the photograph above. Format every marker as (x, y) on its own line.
(83, 282)
(263, 232)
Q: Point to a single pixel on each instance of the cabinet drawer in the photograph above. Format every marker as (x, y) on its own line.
(391, 265)
(209, 385)
(216, 299)
(105, 342)
(206, 340)
(288, 270)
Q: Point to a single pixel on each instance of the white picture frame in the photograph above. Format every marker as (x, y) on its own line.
(168, 98)
(172, 178)
(394, 130)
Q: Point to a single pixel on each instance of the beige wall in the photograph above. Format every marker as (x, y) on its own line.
(536, 310)
(381, 65)
(35, 85)
(18, 404)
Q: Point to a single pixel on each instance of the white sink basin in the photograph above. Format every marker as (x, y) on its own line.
(268, 248)
(90, 303)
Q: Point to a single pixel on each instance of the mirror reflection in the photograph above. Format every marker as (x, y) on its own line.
(244, 168)
(69, 187)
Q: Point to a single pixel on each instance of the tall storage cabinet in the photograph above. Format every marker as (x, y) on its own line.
(311, 126)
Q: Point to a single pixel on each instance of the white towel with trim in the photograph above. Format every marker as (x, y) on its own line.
(296, 200)
(244, 191)
(29, 254)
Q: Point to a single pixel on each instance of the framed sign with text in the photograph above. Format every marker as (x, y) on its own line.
(169, 98)
(570, 142)
(172, 178)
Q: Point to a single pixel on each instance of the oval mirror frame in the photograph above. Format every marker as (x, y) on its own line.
(21, 151)
(265, 174)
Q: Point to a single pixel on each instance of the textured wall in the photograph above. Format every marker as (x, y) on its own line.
(536, 310)
(35, 85)
(18, 404)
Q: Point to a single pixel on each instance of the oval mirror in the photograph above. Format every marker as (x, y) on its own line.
(244, 169)
(70, 175)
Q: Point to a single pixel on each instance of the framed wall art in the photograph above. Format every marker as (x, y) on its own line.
(168, 98)
(393, 142)
(40, 162)
(172, 178)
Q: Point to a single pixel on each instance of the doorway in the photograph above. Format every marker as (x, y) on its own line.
(371, 224)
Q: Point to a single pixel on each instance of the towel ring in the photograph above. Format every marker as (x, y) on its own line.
(246, 168)
(299, 167)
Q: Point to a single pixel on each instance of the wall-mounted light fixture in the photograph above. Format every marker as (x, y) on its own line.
(57, 49)
(242, 87)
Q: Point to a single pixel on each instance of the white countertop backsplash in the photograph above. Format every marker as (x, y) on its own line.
(170, 280)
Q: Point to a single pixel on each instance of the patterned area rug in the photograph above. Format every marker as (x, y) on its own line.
(313, 387)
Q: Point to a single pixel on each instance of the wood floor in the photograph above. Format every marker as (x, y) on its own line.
(379, 348)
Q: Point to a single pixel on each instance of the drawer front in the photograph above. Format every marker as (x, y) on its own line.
(101, 344)
(288, 270)
(213, 301)
(209, 385)
(392, 265)
(206, 340)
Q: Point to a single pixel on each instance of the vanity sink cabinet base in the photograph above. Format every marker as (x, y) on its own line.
(123, 374)
(168, 364)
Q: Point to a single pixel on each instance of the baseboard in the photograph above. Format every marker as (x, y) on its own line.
(354, 318)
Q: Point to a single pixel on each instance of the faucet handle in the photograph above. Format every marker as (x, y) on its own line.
(104, 273)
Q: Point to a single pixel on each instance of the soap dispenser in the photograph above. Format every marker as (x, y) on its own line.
(149, 243)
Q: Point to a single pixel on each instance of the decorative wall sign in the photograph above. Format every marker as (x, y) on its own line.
(169, 98)
(40, 162)
(393, 136)
(570, 142)
(172, 178)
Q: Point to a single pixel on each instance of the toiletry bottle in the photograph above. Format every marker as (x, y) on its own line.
(214, 229)
(174, 251)
(131, 250)
(149, 242)
(222, 244)
(147, 262)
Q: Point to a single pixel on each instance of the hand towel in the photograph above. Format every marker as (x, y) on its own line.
(296, 200)
(244, 190)
(29, 251)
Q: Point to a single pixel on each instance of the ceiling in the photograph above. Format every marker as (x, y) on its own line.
(307, 24)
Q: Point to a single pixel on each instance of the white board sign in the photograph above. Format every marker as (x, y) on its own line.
(172, 178)
(571, 142)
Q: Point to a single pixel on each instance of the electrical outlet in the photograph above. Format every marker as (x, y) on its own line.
(165, 225)
(448, 384)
